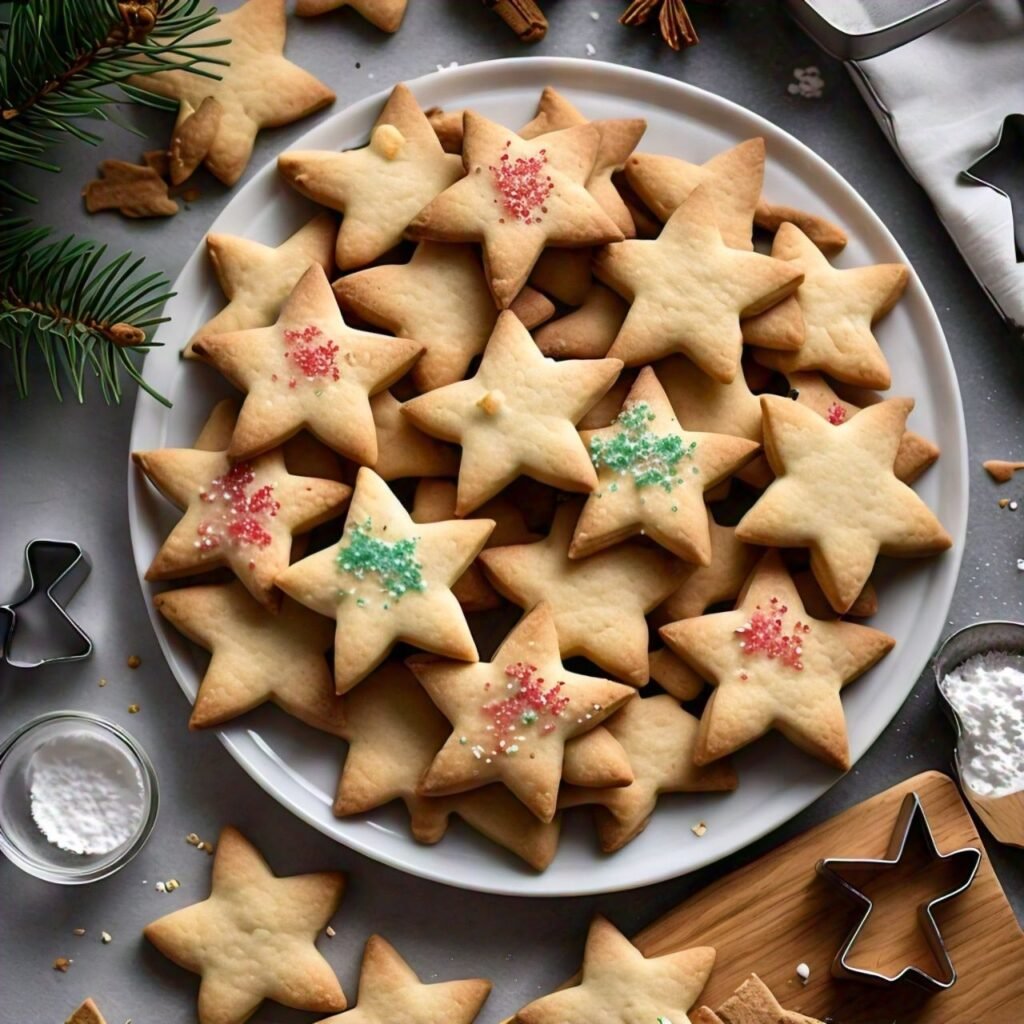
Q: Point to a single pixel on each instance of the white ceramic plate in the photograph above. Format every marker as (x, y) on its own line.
(299, 766)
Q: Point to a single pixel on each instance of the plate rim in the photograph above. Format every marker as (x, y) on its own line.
(470, 77)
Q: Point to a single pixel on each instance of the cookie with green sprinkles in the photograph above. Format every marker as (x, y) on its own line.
(387, 580)
(652, 475)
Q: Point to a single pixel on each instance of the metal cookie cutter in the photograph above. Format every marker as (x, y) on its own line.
(49, 565)
(835, 869)
(999, 169)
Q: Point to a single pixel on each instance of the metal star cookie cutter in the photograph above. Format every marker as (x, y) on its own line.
(999, 166)
(966, 861)
(1003, 816)
(46, 576)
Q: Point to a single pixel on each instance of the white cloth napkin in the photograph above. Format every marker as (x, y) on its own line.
(941, 99)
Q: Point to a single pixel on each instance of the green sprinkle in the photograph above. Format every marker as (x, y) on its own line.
(393, 563)
(651, 459)
(528, 717)
(360, 602)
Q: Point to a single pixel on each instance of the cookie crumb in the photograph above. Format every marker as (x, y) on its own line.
(803, 972)
(595, 15)
(591, 49)
(171, 884)
(330, 932)
(133, 709)
(103, 682)
(78, 931)
(106, 938)
(699, 829)
(134, 661)
(1003, 502)
(1020, 564)
(192, 839)
(62, 963)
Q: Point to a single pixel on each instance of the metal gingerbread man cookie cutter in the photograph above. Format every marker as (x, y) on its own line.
(965, 862)
(51, 566)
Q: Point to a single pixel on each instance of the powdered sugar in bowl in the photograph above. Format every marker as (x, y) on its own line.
(78, 797)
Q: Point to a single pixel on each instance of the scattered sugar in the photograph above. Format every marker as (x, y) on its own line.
(809, 84)
(987, 692)
(591, 49)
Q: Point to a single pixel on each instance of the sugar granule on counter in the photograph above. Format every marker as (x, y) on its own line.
(78, 931)
(330, 932)
(591, 49)
(987, 693)
(809, 84)
(106, 938)
(803, 972)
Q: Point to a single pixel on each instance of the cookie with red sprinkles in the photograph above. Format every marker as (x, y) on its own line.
(774, 667)
(517, 197)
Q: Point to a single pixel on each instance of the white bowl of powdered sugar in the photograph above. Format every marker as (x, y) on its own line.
(78, 797)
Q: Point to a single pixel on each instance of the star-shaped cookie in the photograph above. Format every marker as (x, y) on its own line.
(308, 370)
(257, 87)
(516, 415)
(587, 332)
(253, 938)
(435, 501)
(257, 278)
(404, 451)
(517, 197)
(774, 667)
(618, 139)
(651, 477)
(381, 186)
(828, 237)
(836, 494)
(832, 311)
(391, 993)
(87, 1013)
(256, 656)
(511, 717)
(752, 1003)
(659, 737)
(387, 15)
(394, 732)
(621, 985)
(388, 579)
(731, 179)
(439, 299)
(599, 603)
(721, 580)
(674, 676)
(688, 290)
(915, 453)
(236, 514)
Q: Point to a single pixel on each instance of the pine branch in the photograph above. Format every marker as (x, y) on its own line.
(60, 58)
(80, 312)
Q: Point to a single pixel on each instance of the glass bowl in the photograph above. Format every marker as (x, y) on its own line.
(22, 840)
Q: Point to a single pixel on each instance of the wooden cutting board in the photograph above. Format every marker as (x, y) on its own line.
(777, 912)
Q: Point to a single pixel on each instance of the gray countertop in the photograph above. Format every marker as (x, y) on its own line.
(63, 474)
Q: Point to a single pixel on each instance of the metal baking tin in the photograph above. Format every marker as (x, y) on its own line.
(966, 861)
(41, 578)
(898, 28)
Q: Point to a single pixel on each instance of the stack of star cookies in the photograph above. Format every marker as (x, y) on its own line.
(559, 408)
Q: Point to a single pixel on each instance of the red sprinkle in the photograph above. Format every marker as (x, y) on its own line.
(763, 634)
(241, 516)
(314, 354)
(523, 708)
(836, 414)
(523, 185)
